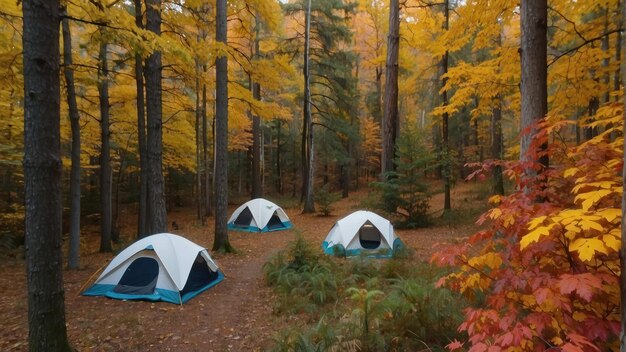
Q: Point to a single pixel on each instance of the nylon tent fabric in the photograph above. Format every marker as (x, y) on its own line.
(265, 217)
(178, 260)
(345, 237)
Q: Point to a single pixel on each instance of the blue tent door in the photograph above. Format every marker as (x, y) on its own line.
(140, 278)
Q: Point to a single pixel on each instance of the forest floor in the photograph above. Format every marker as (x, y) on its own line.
(235, 315)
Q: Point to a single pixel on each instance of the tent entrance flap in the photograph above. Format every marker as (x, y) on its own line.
(275, 222)
(369, 236)
(199, 276)
(244, 218)
(140, 278)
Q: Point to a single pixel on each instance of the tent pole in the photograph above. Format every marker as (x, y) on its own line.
(91, 277)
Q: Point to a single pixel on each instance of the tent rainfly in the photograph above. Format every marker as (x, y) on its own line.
(161, 267)
(259, 215)
(362, 232)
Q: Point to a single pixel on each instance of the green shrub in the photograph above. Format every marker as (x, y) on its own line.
(404, 195)
(419, 313)
(302, 281)
(325, 198)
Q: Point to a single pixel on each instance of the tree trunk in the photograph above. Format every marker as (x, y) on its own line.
(73, 260)
(157, 211)
(142, 221)
(279, 173)
(447, 169)
(199, 195)
(534, 89)
(606, 79)
(622, 256)
(115, 233)
(208, 211)
(308, 156)
(390, 106)
(379, 94)
(42, 176)
(496, 147)
(105, 151)
(257, 171)
(221, 242)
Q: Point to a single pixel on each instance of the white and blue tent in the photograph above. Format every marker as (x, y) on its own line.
(259, 215)
(362, 233)
(161, 267)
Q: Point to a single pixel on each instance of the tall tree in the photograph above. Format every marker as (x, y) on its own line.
(445, 145)
(257, 172)
(42, 176)
(221, 242)
(73, 260)
(622, 252)
(105, 151)
(308, 155)
(200, 202)
(157, 212)
(534, 88)
(208, 187)
(390, 104)
(141, 134)
(496, 146)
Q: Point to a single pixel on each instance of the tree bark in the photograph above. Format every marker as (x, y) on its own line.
(73, 260)
(105, 151)
(42, 176)
(534, 89)
(308, 156)
(199, 195)
(390, 104)
(208, 209)
(622, 252)
(279, 172)
(447, 169)
(257, 171)
(221, 242)
(157, 219)
(142, 221)
(496, 147)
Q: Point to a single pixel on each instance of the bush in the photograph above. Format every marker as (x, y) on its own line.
(324, 199)
(301, 280)
(404, 195)
(386, 305)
